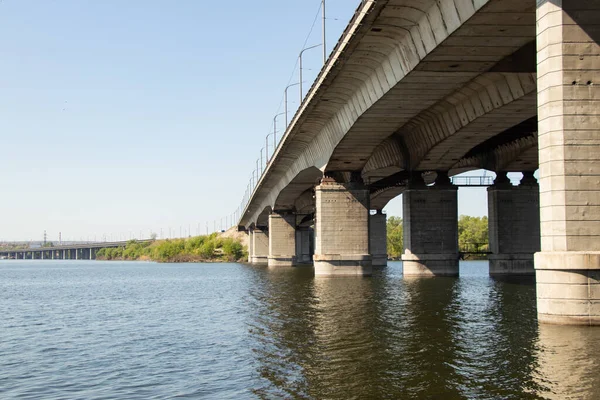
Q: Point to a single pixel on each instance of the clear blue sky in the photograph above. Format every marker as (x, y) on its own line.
(120, 116)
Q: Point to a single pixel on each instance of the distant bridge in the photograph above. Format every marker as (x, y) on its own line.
(85, 251)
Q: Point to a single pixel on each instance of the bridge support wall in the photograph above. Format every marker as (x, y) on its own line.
(260, 246)
(514, 226)
(378, 238)
(431, 230)
(568, 73)
(282, 239)
(342, 230)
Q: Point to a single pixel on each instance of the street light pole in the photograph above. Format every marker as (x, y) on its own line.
(300, 57)
(285, 101)
(257, 175)
(324, 36)
(261, 161)
(275, 131)
(267, 149)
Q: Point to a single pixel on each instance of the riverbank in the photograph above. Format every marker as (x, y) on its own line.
(217, 247)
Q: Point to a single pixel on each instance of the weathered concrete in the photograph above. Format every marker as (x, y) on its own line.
(430, 228)
(260, 246)
(342, 230)
(250, 247)
(567, 268)
(378, 238)
(282, 239)
(514, 225)
(304, 245)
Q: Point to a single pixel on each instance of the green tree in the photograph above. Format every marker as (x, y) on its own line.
(473, 233)
(232, 249)
(395, 237)
(207, 250)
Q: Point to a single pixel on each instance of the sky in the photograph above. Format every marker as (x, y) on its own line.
(122, 118)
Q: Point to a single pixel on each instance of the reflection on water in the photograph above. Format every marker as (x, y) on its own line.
(394, 337)
(569, 361)
(157, 331)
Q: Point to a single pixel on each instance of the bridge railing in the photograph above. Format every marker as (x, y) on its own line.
(472, 180)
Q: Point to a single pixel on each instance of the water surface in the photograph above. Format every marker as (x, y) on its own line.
(101, 330)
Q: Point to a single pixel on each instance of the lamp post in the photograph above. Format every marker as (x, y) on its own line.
(300, 57)
(285, 101)
(274, 134)
(257, 173)
(261, 160)
(324, 36)
(275, 131)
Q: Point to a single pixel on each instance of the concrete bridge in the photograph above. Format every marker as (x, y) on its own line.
(85, 251)
(418, 91)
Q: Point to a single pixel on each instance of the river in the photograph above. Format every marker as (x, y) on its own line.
(113, 330)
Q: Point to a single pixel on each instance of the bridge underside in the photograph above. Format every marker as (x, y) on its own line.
(417, 92)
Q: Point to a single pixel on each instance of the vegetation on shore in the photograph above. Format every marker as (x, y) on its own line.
(211, 248)
(472, 235)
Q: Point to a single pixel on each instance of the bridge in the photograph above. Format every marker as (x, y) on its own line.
(83, 251)
(418, 91)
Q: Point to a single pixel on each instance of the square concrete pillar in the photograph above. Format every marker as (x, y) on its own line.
(250, 245)
(568, 78)
(514, 228)
(342, 229)
(430, 231)
(260, 246)
(282, 239)
(568, 74)
(304, 245)
(378, 238)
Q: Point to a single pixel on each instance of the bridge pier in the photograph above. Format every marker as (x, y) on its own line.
(250, 244)
(282, 239)
(304, 245)
(378, 238)
(342, 229)
(514, 225)
(568, 75)
(260, 246)
(430, 227)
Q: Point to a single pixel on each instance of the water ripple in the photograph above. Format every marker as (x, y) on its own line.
(156, 331)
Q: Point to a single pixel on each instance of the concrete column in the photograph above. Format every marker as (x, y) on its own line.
(250, 244)
(304, 245)
(63, 255)
(342, 229)
(53, 251)
(282, 239)
(76, 254)
(430, 228)
(42, 254)
(91, 253)
(513, 225)
(378, 238)
(260, 246)
(568, 74)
